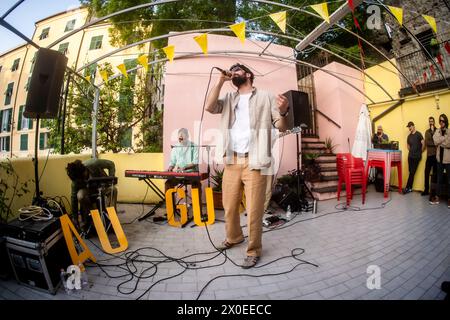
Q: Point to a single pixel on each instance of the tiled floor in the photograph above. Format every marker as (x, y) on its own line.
(407, 241)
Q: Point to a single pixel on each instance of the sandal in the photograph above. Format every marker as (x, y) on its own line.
(227, 245)
(249, 262)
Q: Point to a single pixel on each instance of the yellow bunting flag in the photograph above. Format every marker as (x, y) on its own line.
(104, 75)
(143, 61)
(202, 41)
(322, 10)
(280, 19)
(88, 78)
(170, 52)
(398, 13)
(239, 30)
(431, 21)
(123, 69)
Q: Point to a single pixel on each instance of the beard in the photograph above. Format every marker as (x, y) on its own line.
(239, 80)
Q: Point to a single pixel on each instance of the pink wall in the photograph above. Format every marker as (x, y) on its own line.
(186, 81)
(340, 102)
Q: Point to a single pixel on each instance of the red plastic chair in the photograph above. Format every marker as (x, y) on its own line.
(351, 171)
(382, 165)
(340, 165)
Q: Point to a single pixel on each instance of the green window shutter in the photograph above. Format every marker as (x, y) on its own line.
(15, 65)
(23, 142)
(8, 93)
(41, 140)
(1, 120)
(19, 121)
(30, 124)
(9, 120)
(70, 25)
(63, 47)
(96, 42)
(7, 143)
(125, 140)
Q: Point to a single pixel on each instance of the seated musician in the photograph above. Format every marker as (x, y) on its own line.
(80, 172)
(184, 158)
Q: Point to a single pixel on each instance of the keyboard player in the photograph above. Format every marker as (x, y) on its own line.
(184, 158)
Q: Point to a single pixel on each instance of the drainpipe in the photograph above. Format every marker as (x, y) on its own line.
(94, 122)
(385, 112)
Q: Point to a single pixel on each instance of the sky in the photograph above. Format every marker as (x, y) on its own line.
(25, 15)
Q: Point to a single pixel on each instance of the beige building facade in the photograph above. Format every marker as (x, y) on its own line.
(17, 133)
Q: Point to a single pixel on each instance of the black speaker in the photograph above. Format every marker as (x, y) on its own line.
(45, 86)
(299, 108)
(283, 196)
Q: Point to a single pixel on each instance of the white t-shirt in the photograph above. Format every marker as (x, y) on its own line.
(240, 132)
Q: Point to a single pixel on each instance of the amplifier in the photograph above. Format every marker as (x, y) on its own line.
(38, 264)
(30, 230)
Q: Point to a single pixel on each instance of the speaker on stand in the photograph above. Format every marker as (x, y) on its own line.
(43, 96)
(301, 117)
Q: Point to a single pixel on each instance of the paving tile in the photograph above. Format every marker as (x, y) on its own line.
(410, 247)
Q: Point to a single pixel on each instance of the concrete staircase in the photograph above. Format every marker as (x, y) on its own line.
(326, 188)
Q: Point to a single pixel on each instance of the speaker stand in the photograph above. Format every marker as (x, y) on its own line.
(37, 200)
(301, 185)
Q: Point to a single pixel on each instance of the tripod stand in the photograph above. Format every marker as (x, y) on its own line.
(302, 203)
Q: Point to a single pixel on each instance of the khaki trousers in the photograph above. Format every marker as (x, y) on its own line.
(268, 191)
(238, 177)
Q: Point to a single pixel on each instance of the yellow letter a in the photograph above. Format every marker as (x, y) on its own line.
(68, 229)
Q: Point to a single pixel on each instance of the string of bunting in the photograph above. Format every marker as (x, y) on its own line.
(280, 19)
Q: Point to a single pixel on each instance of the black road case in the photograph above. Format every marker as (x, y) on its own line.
(38, 262)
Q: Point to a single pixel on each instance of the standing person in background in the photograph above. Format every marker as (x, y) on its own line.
(431, 157)
(416, 145)
(442, 141)
(380, 136)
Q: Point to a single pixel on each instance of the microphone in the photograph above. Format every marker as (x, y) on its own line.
(224, 72)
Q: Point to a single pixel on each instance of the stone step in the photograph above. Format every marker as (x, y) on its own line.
(325, 189)
(307, 145)
(328, 169)
(310, 139)
(328, 173)
(326, 159)
(323, 184)
(324, 195)
(327, 165)
(333, 177)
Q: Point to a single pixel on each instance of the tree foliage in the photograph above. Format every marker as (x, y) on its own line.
(124, 104)
(158, 20)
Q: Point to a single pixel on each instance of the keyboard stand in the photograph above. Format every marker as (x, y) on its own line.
(158, 192)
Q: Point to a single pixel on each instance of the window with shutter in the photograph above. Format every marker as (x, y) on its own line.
(6, 120)
(70, 25)
(8, 93)
(64, 48)
(23, 142)
(96, 43)
(44, 33)
(15, 65)
(4, 143)
(20, 118)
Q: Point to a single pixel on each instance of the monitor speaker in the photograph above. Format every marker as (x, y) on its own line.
(45, 86)
(300, 108)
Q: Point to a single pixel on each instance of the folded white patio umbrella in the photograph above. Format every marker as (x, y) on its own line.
(363, 134)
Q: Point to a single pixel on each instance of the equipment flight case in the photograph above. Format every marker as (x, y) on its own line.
(37, 252)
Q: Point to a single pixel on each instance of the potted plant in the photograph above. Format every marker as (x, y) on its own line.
(310, 167)
(329, 146)
(217, 187)
(11, 188)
